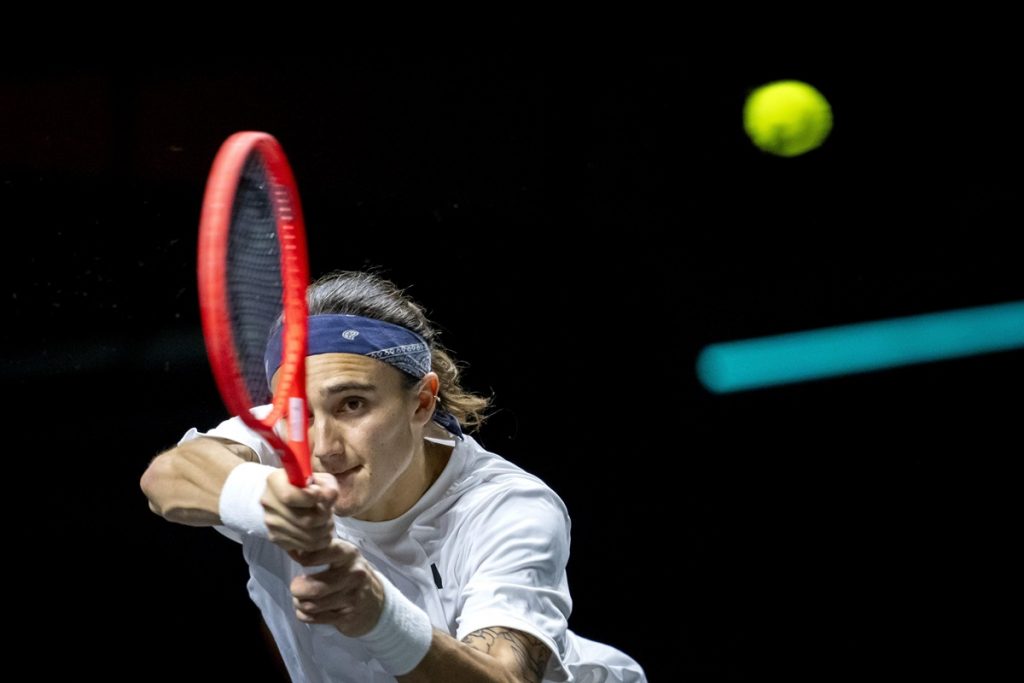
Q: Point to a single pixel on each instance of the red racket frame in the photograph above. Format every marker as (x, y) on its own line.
(289, 401)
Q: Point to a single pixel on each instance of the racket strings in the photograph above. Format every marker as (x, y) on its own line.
(254, 273)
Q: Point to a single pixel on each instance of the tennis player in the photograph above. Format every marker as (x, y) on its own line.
(415, 554)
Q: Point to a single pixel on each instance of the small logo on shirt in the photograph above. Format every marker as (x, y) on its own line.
(350, 334)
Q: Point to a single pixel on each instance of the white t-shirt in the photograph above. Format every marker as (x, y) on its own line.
(499, 540)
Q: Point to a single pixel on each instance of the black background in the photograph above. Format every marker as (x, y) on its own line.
(579, 228)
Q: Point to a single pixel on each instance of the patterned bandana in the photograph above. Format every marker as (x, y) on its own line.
(391, 344)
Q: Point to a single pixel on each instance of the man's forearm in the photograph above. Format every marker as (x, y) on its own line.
(184, 484)
(498, 655)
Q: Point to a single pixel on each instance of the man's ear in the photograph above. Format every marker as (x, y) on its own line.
(426, 397)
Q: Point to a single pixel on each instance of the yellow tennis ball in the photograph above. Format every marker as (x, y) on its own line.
(787, 118)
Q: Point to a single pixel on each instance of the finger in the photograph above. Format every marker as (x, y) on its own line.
(324, 497)
(325, 486)
(326, 617)
(299, 545)
(291, 538)
(327, 603)
(279, 490)
(281, 530)
(306, 519)
(348, 581)
(308, 523)
(339, 554)
(315, 587)
(309, 556)
(306, 540)
(308, 529)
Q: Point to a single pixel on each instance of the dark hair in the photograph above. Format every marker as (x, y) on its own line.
(371, 296)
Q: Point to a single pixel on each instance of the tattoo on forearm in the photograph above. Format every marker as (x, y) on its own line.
(531, 653)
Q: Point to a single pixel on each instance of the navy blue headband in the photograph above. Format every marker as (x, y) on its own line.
(391, 344)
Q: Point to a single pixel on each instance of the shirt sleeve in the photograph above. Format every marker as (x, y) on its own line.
(233, 429)
(513, 572)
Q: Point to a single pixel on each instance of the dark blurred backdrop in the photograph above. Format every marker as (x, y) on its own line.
(579, 228)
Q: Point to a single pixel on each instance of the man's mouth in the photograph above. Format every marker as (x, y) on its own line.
(345, 474)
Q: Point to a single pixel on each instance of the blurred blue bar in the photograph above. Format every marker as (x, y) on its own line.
(847, 349)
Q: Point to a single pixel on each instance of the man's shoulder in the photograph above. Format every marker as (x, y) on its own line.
(493, 485)
(488, 472)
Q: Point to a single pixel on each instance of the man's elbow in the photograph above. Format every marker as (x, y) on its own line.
(153, 481)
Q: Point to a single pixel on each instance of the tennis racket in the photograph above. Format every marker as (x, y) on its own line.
(253, 273)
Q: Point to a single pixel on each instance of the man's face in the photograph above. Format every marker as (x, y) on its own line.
(363, 430)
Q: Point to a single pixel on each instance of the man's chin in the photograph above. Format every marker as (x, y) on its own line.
(345, 509)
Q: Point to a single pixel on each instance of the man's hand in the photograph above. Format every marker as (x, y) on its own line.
(347, 595)
(297, 518)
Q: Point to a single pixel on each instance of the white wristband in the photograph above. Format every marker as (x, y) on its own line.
(402, 636)
(240, 508)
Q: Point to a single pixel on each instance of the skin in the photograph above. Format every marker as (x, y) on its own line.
(372, 463)
(369, 437)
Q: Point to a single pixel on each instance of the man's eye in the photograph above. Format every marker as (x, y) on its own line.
(351, 404)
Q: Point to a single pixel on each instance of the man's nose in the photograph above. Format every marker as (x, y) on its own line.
(325, 440)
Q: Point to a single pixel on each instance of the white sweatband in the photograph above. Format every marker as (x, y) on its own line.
(402, 635)
(240, 508)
